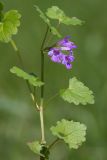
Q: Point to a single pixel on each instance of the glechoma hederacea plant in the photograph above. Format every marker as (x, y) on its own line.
(70, 132)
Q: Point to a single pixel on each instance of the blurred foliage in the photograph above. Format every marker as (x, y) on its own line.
(19, 123)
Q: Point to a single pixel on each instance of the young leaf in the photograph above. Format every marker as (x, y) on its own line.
(35, 147)
(9, 25)
(47, 21)
(77, 93)
(73, 133)
(56, 13)
(30, 78)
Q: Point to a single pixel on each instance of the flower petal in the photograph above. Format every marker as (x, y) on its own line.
(50, 53)
(68, 65)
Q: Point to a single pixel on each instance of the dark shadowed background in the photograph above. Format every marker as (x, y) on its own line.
(19, 123)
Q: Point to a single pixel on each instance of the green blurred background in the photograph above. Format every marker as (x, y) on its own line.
(19, 123)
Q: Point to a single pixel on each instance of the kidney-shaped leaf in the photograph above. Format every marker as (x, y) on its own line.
(73, 133)
(9, 25)
(56, 13)
(77, 93)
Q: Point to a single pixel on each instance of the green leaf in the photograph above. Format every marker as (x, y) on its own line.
(56, 13)
(47, 21)
(77, 93)
(42, 15)
(72, 21)
(35, 147)
(30, 78)
(55, 32)
(9, 25)
(73, 133)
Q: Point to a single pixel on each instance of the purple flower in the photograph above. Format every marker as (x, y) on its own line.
(56, 55)
(66, 44)
(67, 59)
(63, 52)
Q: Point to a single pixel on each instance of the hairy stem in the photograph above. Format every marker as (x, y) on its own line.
(42, 90)
(43, 141)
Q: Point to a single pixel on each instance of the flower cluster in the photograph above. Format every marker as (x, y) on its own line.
(62, 52)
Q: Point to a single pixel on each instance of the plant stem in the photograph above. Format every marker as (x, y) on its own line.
(50, 99)
(42, 63)
(51, 36)
(53, 143)
(42, 124)
(17, 51)
(42, 90)
(22, 65)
